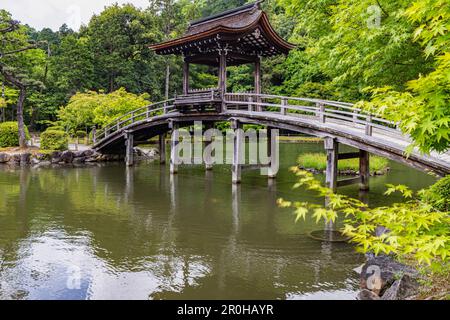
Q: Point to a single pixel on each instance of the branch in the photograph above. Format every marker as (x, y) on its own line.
(33, 46)
(13, 25)
(382, 9)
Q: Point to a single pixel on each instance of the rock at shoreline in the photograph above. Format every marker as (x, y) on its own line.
(25, 158)
(401, 289)
(388, 278)
(67, 157)
(367, 295)
(4, 157)
(37, 159)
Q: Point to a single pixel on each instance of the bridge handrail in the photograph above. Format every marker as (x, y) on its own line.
(130, 115)
(321, 108)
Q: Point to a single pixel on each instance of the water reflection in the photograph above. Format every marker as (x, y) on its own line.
(141, 233)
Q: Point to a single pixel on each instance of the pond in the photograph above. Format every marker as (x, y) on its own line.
(111, 232)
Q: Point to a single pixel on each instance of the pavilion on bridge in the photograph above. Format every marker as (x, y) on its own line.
(239, 36)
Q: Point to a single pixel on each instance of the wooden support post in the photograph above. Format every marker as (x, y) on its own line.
(208, 160)
(162, 148)
(222, 77)
(332, 149)
(258, 82)
(250, 104)
(186, 77)
(94, 134)
(284, 104)
(272, 152)
(129, 148)
(369, 128)
(173, 147)
(238, 151)
(321, 108)
(364, 170)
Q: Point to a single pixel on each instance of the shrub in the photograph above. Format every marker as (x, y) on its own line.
(54, 140)
(438, 195)
(9, 134)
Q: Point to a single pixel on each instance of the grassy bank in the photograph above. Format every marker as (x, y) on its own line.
(318, 161)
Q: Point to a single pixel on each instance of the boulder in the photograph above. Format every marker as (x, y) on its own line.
(14, 159)
(78, 154)
(79, 160)
(379, 273)
(35, 161)
(4, 157)
(365, 294)
(402, 289)
(25, 158)
(88, 153)
(67, 157)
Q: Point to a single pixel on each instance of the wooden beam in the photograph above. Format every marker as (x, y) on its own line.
(351, 155)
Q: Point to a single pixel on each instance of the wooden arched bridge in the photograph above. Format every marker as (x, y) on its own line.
(336, 122)
(244, 36)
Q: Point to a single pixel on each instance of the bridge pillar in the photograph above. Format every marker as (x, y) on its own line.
(208, 160)
(272, 149)
(332, 149)
(162, 148)
(238, 151)
(364, 170)
(173, 148)
(129, 148)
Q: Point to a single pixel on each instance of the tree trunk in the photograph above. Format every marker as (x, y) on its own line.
(167, 80)
(3, 115)
(20, 122)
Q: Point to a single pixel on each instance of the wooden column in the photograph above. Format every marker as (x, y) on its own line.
(208, 160)
(258, 81)
(332, 149)
(271, 150)
(364, 170)
(238, 151)
(186, 77)
(173, 148)
(222, 75)
(162, 148)
(129, 148)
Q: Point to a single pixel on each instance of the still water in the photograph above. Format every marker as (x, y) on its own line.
(111, 232)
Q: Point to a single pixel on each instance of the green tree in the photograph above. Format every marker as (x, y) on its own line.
(118, 40)
(20, 62)
(85, 110)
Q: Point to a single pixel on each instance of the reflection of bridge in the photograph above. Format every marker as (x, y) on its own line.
(336, 122)
(243, 36)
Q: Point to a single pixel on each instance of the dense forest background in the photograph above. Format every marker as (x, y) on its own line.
(394, 52)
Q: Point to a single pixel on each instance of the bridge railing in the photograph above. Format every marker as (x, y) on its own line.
(322, 110)
(132, 117)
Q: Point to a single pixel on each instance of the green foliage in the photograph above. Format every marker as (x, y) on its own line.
(439, 194)
(92, 108)
(318, 161)
(56, 140)
(9, 134)
(415, 228)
